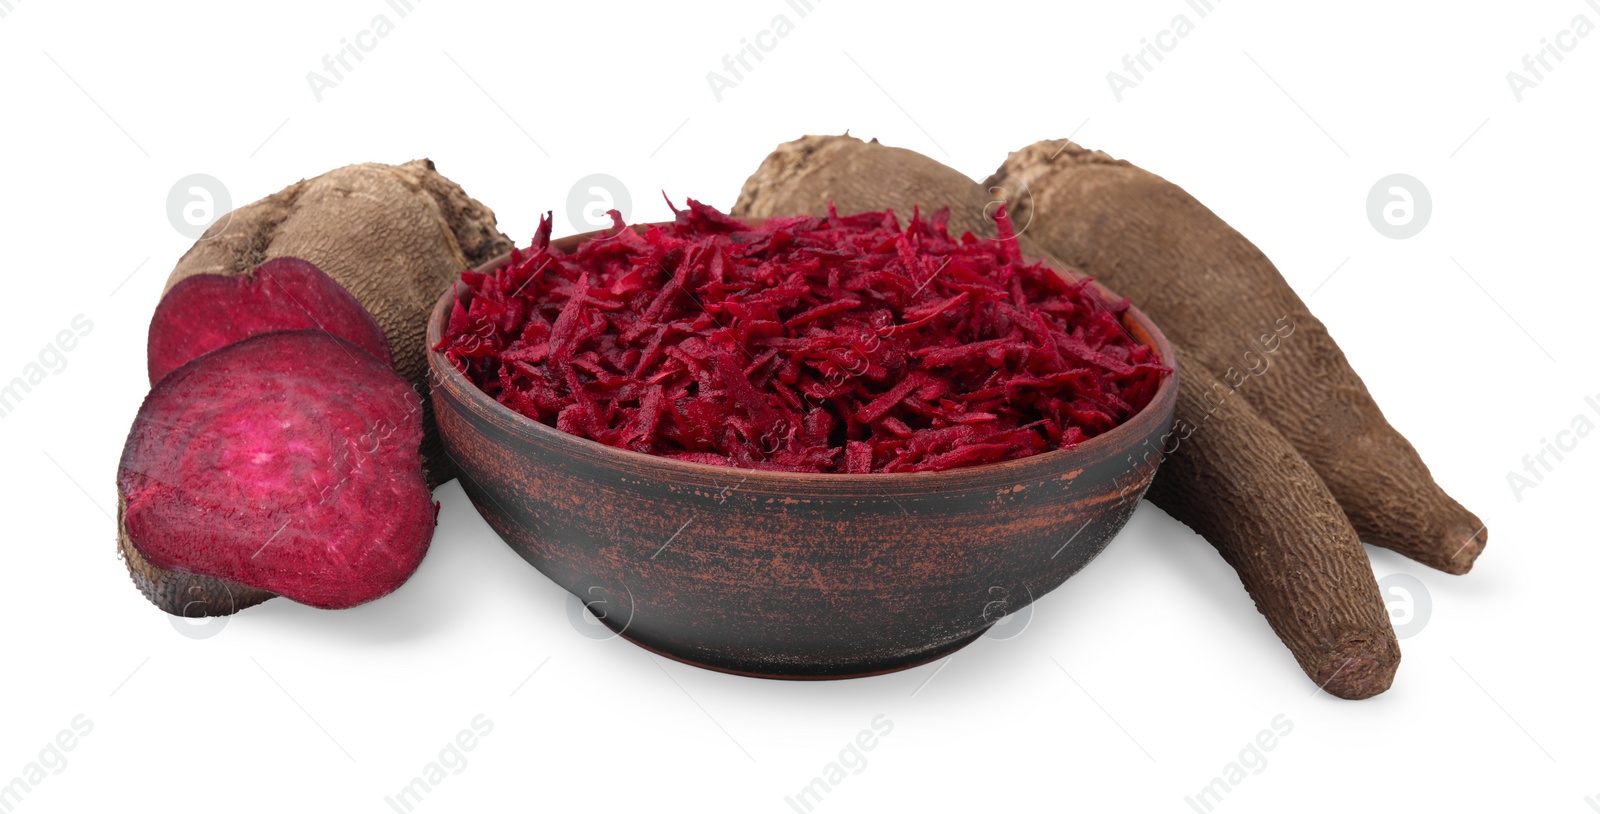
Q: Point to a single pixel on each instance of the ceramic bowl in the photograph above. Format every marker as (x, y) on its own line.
(791, 575)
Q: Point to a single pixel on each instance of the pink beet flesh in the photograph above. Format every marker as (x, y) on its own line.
(286, 462)
(210, 311)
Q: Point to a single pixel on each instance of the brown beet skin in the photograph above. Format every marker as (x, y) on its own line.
(1213, 291)
(1230, 474)
(1233, 478)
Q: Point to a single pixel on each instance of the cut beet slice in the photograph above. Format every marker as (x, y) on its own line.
(210, 311)
(287, 462)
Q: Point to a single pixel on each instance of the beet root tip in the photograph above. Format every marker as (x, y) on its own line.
(1361, 668)
(1467, 539)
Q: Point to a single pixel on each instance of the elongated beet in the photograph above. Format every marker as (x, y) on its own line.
(209, 311)
(1213, 291)
(286, 463)
(1234, 479)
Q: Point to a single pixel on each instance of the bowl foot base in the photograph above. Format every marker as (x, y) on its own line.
(785, 672)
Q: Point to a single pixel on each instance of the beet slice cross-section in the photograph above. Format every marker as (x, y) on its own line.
(287, 462)
(210, 311)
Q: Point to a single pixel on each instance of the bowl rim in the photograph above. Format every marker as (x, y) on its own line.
(1157, 412)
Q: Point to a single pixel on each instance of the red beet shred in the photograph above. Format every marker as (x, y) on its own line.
(837, 344)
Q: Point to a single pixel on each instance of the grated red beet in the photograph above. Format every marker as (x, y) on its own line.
(286, 462)
(837, 344)
(210, 311)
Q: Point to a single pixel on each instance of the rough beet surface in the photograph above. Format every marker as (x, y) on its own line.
(287, 462)
(834, 344)
(210, 311)
(1210, 288)
(1228, 473)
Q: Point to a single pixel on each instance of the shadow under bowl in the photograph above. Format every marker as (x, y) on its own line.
(792, 575)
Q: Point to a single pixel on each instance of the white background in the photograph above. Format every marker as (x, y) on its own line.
(1130, 688)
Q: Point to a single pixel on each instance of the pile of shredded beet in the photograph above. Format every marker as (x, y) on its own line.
(837, 344)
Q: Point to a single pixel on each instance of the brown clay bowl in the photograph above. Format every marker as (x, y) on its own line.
(789, 575)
